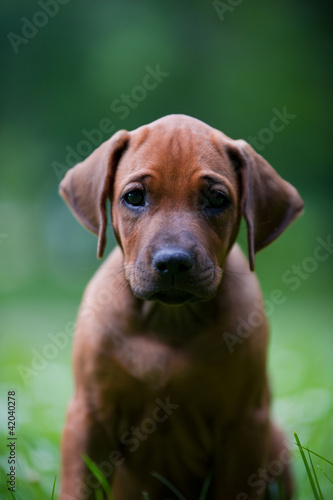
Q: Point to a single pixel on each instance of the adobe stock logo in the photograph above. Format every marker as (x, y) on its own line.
(30, 27)
(276, 124)
(41, 358)
(222, 8)
(130, 440)
(121, 106)
(293, 277)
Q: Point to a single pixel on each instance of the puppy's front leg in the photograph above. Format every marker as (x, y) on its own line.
(83, 435)
(244, 451)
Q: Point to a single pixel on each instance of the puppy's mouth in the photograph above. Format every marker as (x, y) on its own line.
(173, 297)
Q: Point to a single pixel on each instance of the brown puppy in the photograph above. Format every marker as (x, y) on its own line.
(165, 380)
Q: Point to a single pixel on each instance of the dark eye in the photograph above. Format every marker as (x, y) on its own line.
(135, 198)
(216, 200)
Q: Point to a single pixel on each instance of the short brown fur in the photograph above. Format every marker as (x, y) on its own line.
(159, 385)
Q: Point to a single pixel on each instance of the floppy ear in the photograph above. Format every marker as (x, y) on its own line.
(268, 203)
(86, 187)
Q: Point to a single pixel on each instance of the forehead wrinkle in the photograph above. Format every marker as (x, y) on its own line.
(173, 155)
(214, 158)
(212, 152)
(138, 140)
(166, 141)
(216, 142)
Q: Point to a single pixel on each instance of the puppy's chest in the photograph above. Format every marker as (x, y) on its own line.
(153, 367)
(143, 374)
(151, 362)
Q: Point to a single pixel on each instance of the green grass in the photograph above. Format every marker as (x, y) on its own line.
(275, 489)
(300, 370)
(311, 472)
(105, 487)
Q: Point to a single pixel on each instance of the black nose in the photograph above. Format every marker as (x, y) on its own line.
(172, 260)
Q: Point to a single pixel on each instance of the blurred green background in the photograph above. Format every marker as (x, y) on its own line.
(64, 69)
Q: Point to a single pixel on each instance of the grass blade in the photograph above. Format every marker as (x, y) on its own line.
(98, 474)
(306, 466)
(322, 470)
(315, 476)
(169, 485)
(316, 454)
(205, 486)
(54, 483)
(99, 494)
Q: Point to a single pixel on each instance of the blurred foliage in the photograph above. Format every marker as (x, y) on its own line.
(232, 73)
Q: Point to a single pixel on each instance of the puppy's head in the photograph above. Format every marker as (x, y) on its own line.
(178, 189)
